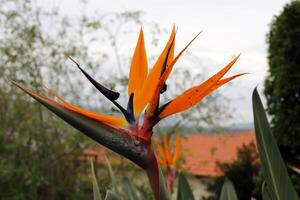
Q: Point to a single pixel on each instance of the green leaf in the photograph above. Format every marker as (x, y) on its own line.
(96, 191)
(111, 196)
(184, 190)
(228, 191)
(129, 190)
(163, 190)
(112, 177)
(274, 170)
(265, 193)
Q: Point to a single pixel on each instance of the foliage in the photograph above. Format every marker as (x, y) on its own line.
(277, 184)
(38, 159)
(228, 192)
(39, 153)
(184, 189)
(96, 190)
(277, 181)
(282, 84)
(242, 173)
(125, 189)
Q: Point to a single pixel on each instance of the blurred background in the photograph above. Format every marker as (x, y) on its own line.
(43, 158)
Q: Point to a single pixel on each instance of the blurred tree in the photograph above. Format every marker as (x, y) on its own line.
(39, 160)
(39, 153)
(243, 173)
(282, 85)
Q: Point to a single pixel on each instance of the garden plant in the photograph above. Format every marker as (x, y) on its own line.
(131, 135)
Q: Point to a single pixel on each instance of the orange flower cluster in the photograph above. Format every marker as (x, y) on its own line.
(168, 154)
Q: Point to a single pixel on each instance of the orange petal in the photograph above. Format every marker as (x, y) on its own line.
(159, 152)
(154, 75)
(225, 80)
(177, 149)
(166, 147)
(170, 66)
(138, 69)
(107, 119)
(195, 94)
(164, 77)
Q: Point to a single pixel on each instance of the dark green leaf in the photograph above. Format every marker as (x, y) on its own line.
(228, 191)
(96, 192)
(274, 170)
(112, 177)
(164, 192)
(184, 190)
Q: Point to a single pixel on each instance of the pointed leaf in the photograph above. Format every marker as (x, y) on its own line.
(274, 169)
(228, 191)
(112, 177)
(184, 190)
(164, 192)
(96, 191)
(129, 190)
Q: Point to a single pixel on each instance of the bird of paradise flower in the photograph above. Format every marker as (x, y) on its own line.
(168, 153)
(130, 136)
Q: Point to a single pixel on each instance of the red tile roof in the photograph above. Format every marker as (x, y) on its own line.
(200, 152)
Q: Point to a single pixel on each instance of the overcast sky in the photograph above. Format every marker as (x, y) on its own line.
(229, 27)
